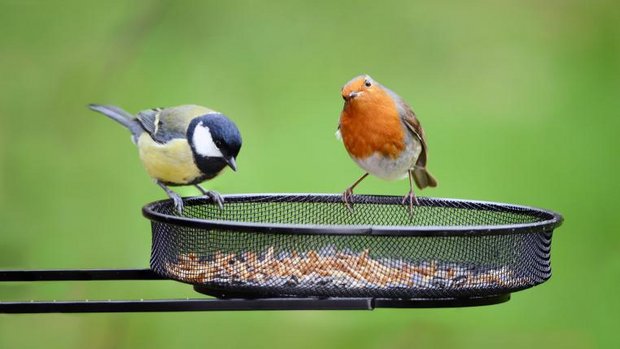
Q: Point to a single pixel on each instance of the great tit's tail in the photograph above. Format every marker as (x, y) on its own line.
(423, 178)
(122, 117)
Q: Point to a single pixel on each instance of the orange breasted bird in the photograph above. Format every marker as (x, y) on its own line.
(383, 136)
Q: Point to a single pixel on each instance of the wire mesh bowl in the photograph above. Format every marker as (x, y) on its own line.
(311, 245)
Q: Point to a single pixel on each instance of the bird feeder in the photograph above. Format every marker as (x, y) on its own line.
(308, 251)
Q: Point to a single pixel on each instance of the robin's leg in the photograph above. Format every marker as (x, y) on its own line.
(411, 196)
(215, 196)
(347, 196)
(178, 202)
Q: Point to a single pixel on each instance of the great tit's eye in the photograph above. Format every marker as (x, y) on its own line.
(367, 83)
(218, 143)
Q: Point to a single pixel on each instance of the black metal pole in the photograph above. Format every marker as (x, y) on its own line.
(167, 305)
(78, 275)
(205, 304)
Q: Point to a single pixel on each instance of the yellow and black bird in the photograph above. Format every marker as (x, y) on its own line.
(183, 145)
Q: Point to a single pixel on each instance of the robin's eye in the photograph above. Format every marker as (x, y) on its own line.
(367, 83)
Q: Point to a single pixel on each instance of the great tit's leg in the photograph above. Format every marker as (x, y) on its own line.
(347, 196)
(215, 196)
(178, 202)
(411, 195)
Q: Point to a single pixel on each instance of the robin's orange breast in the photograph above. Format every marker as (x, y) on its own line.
(369, 126)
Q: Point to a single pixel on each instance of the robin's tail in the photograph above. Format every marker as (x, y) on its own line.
(122, 117)
(423, 178)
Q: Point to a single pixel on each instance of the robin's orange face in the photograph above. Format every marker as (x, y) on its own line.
(360, 87)
(369, 122)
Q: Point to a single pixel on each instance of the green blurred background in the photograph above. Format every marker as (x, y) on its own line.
(520, 101)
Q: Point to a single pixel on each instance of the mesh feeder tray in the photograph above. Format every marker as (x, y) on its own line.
(305, 245)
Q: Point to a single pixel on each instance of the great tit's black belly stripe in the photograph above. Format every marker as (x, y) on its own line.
(209, 166)
(196, 180)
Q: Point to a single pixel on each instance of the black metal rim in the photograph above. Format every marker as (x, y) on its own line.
(549, 220)
(378, 302)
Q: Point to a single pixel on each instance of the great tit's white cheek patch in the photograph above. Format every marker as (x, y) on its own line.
(203, 142)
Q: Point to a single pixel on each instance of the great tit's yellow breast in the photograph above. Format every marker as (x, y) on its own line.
(172, 162)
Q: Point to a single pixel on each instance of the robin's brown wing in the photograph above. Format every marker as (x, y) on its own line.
(413, 125)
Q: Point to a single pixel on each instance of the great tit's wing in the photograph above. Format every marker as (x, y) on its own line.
(174, 121)
(149, 119)
(164, 124)
(177, 119)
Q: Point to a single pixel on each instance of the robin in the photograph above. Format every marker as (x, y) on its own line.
(383, 136)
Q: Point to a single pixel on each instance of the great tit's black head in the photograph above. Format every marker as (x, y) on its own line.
(215, 142)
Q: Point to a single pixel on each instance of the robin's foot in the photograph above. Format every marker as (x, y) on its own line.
(213, 195)
(347, 199)
(413, 200)
(347, 196)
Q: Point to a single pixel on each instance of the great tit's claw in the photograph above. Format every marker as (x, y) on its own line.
(215, 196)
(178, 203)
(176, 198)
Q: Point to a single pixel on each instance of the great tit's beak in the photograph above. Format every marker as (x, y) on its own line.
(231, 162)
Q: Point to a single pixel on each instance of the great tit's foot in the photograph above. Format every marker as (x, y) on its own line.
(176, 198)
(413, 200)
(347, 199)
(215, 196)
(178, 202)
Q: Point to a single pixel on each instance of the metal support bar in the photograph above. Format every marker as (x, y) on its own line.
(161, 305)
(197, 304)
(440, 302)
(79, 275)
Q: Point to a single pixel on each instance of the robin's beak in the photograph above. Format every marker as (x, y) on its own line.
(351, 95)
(231, 162)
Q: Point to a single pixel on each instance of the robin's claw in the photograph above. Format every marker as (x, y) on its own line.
(347, 198)
(413, 200)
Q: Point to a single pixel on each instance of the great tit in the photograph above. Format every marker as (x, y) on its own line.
(182, 145)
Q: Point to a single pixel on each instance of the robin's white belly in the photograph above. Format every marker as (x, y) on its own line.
(390, 169)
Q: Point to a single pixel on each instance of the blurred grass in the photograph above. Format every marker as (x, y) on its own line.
(519, 99)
